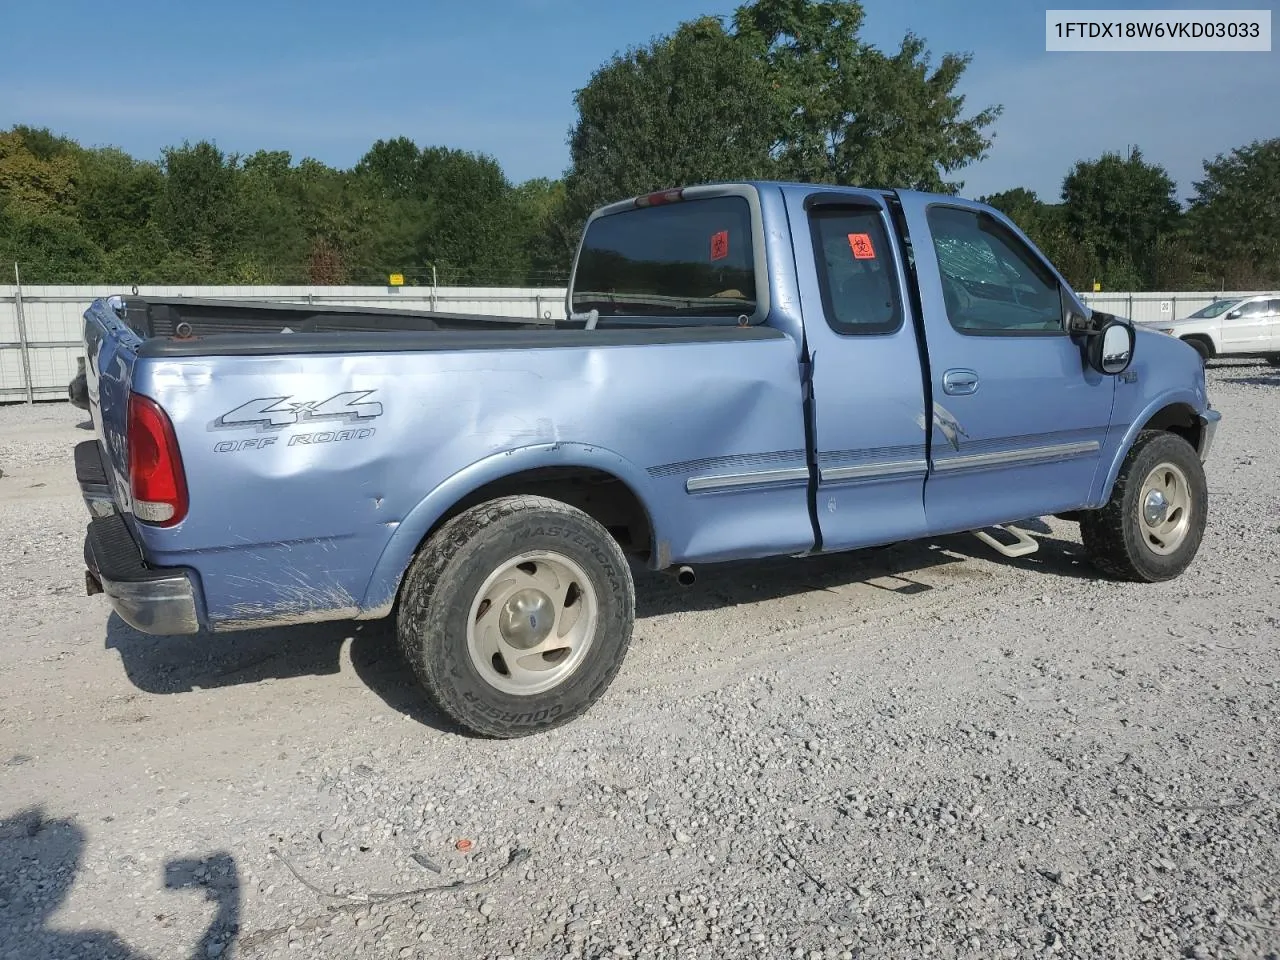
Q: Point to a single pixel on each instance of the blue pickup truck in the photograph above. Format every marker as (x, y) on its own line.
(748, 370)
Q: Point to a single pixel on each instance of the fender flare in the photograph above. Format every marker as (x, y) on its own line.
(384, 583)
(1181, 395)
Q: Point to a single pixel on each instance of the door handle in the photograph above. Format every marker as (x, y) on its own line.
(959, 383)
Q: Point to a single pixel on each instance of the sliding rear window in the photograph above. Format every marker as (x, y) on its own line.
(687, 261)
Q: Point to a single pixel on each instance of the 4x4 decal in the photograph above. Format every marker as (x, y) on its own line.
(275, 412)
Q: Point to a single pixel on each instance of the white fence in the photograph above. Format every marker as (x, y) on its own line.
(1153, 307)
(40, 327)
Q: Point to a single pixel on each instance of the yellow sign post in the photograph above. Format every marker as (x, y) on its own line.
(395, 280)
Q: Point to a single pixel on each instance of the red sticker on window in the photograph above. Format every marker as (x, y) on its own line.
(720, 245)
(860, 243)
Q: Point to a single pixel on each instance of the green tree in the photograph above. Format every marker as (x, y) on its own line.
(271, 244)
(51, 247)
(197, 207)
(695, 106)
(789, 91)
(854, 114)
(116, 196)
(34, 184)
(1120, 207)
(540, 206)
(342, 219)
(1020, 205)
(444, 209)
(1236, 215)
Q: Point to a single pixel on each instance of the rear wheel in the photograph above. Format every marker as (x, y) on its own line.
(516, 615)
(1151, 528)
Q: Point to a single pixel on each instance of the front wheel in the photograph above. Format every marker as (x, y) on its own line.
(1151, 528)
(516, 615)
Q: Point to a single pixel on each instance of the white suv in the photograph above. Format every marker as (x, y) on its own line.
(1238, 327)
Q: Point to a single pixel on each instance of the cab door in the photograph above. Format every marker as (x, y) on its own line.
(868, 397)
(1018, 419)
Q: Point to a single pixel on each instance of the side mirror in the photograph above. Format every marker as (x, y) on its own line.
(1111, 349)
(1235, 314)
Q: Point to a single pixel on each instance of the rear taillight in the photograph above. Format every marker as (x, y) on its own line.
(156, 478)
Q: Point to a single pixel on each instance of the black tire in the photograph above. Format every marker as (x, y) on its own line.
(1202, 347)
(1114, 536)
(443, 585)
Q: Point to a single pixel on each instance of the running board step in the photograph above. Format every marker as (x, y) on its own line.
(1025, 544)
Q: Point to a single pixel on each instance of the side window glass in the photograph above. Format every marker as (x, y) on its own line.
(1255, 308)
(1274, 308)
(855, 270)
(991, 282)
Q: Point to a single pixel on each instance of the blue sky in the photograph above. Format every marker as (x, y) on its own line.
(327, 78)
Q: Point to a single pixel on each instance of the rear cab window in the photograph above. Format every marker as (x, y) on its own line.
(685, 262)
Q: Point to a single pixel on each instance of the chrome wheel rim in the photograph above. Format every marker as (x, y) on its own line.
(1164, 509)
(531, 623)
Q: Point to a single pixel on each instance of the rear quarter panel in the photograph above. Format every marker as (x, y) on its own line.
(317, 520)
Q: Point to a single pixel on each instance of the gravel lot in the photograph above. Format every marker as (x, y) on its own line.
(926, 751)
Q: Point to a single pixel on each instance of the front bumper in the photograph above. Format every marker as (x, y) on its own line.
(158, 600)
(1208, 428)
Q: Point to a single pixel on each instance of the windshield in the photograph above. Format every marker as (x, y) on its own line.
(1215, 309)
(686, 259)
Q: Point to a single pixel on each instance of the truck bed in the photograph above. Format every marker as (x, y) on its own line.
(190, 327)
(186, 317)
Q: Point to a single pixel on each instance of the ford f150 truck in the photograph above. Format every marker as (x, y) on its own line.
(748, 370)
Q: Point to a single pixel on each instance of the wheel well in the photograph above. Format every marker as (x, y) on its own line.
(600, 495)
(1180, 419)
(1202, 338)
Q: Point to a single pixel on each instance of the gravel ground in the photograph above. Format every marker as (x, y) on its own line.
(925, 751)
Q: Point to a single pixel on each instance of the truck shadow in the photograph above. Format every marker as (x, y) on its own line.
(900, 568)
(171, 665)
(39, 859)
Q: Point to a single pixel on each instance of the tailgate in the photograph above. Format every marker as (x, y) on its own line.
(111, 350)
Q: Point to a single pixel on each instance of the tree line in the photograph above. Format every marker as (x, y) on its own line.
(782, 89)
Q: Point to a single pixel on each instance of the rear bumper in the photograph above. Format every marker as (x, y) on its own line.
(1208, 429)
(158, 600)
